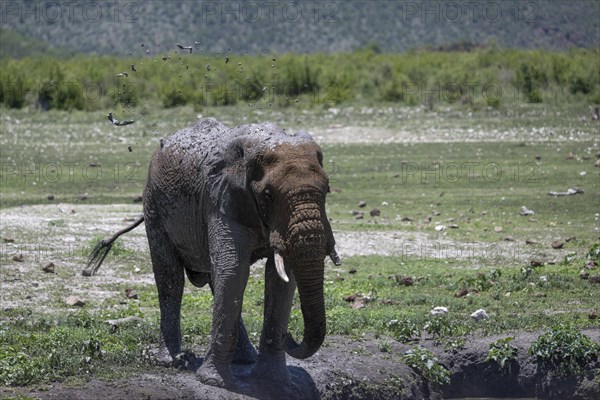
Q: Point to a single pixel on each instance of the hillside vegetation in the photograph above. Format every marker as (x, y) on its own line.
(119, 27)
(486, 77)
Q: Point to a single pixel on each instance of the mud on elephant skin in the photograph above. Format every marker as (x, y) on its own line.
(218, 199)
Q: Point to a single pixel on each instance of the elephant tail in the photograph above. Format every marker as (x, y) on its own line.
(103, 247)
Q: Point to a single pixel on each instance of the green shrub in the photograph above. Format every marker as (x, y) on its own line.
(426, 364)
(503, 353)
(565, 349)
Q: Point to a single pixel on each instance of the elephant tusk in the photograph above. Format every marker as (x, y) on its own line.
(280, 267)
(335, 258)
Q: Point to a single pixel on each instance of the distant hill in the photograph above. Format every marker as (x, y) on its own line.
(13, 44)
(120, 28)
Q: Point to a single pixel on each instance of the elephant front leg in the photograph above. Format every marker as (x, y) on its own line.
(230, 275)
(278, 303)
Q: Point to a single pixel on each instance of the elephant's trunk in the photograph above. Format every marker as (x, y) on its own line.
(310, 287)
(305, 244)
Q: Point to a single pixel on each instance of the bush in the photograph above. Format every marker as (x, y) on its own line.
(426, 364)
(565, 349)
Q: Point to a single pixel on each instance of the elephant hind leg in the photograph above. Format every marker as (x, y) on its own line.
(169, 277)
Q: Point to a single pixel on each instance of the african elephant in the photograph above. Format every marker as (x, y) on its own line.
(217, 200)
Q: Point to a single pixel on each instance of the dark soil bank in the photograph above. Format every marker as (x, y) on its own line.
(345, 369)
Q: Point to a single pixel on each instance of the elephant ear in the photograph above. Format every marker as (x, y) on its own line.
(235, 198)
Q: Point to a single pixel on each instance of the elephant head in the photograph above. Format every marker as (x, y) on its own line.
(278, 186)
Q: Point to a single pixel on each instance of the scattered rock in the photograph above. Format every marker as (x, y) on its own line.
(498, 229)
(440, 228)
(526, 211)
(360, 215)
(83, 196)
(376, 212)
(570, 238)
(536, 263)
(406, 281)
(557, 244)
(593, 315)
(479, 315)
(406, 219)
(336, 190)
(571, 156)
(115, 323)
(529, 241)
(461, 293)
(50, 197)
(131, 293)
(569, 192)
(439, 311)
(427, 220)
(8, 240)
(136, 269)
(75, 301)
(590, 264)
(509, 239)
(138, 199)
(352, 271)
(543, 278)
(597, 163)
(358, 300)
(18, 258)
(435, 213)
(355, 212)
(538, 158)
(584, 274)
(362, 204)
(594, 279)
(49, 268)
(453, 226)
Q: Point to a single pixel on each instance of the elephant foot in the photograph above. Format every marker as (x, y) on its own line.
(161, 356)
(209, 374)
(272, 368)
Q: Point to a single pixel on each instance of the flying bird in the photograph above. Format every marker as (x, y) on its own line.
(185, 48)
(117, 122)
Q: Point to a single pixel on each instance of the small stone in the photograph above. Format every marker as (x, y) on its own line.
(509, 239)
(557, 244)
(376, 212)
(440, 228)
(136, 269)
(526, 211)
(536, 263)
(435, 213)
(594, 279)
(590, 264)
(529, 241)
(18, 258)
(131, 293)
(49, 268)
(461, 293)
(406, 281)
(75, 301)
(360, 216)
(597, 164)
(83, 196)
(50, 197)
(352, 271)
(8, 240)
(498, 229)
(479, 315)
(439, 311)
(453, 226)
(584, 274)
(593, 315)
(570, 239)
(138, 199)
(362, 204)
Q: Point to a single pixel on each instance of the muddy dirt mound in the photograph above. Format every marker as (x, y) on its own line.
(345, 369)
